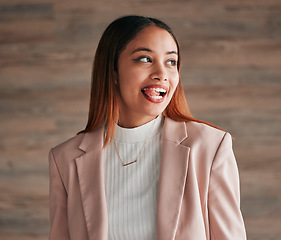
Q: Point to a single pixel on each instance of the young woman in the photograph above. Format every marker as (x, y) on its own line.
(143, 168)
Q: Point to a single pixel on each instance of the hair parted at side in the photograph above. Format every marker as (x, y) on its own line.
(103, 100)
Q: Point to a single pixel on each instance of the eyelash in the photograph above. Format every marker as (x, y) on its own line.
(174, 62)
(139, 59)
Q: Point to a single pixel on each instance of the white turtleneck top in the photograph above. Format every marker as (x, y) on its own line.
(131, 191)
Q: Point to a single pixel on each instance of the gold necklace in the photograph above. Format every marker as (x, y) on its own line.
(126, 164)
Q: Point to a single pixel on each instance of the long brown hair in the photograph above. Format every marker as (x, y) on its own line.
(103, 101)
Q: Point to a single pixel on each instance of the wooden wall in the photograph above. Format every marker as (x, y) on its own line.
(231, 73)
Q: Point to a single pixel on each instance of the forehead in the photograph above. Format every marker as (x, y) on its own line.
(154, 38)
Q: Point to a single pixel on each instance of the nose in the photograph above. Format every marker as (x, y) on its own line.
(159, 73)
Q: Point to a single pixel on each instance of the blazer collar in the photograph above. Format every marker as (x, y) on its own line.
(172, 178)
(91, 181)
(93, 139)
(172, 131)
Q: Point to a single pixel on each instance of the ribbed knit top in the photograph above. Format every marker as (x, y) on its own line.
(131, 191)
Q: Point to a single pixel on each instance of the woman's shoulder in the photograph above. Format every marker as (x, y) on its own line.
(203, 129)
(69, 148)
(190, 132)
(205, 141)
(205, 134)
(71, 142)
(79, 144)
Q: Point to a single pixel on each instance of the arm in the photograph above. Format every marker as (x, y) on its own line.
(226, 222)
(58, 203)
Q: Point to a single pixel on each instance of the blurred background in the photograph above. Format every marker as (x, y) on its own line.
(231, 73)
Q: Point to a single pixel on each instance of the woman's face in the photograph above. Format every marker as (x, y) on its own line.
(147, 76)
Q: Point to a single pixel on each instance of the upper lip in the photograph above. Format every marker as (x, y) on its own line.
(158, 87)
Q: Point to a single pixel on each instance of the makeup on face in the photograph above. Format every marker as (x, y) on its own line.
(147, 75)
(155, 93)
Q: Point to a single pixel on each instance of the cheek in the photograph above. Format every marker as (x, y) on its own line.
(129, 84)
(175, 81)
(129, 75)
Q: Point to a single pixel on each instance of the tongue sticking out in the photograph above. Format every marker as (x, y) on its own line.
(151, 92)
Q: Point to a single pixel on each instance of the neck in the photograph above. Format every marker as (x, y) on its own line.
(132, 123)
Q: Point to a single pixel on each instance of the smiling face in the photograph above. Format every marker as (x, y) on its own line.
(147, 76)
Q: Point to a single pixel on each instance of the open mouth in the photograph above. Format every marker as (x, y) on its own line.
(154, 93)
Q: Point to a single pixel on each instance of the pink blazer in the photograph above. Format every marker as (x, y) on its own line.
(198, 191)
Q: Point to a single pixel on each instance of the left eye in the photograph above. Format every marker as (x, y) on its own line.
(144, 59)
(172, 62)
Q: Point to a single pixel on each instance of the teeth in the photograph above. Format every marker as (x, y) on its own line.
(156, 97)
(156, 89)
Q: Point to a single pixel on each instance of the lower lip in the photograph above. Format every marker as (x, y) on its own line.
(154, 100)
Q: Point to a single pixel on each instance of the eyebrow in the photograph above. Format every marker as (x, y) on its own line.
(141, 49)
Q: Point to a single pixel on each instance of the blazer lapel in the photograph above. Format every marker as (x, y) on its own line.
(91, 181)
(172, 178)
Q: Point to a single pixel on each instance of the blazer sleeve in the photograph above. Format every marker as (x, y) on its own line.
(58, 203)
(226, 222)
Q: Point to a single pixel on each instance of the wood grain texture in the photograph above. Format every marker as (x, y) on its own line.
(230, 71)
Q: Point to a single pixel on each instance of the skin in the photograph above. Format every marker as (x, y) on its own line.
(149, 60)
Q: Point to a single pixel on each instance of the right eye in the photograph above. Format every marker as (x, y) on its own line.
(143, 59)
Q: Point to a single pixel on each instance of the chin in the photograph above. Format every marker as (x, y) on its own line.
(154, 112)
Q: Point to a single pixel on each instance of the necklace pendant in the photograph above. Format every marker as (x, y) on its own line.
(127, 164)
